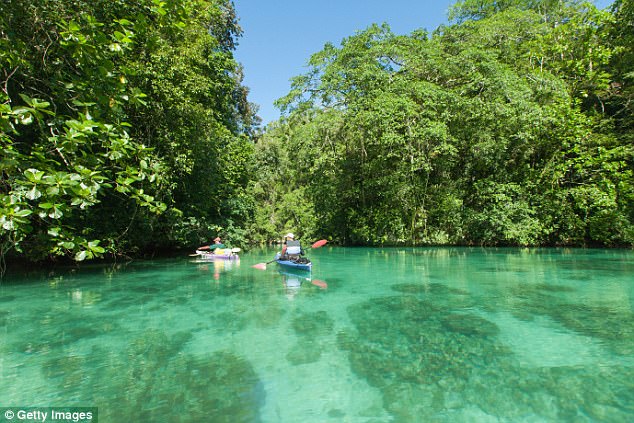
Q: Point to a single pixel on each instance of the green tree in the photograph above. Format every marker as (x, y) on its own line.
(490, 131)
(124, 125)
(64, 137)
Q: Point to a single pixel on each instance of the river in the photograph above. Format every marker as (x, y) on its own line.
(371, 335)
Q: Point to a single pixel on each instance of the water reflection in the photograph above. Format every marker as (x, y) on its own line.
(292, 284)
(217, 266)
(293, 280)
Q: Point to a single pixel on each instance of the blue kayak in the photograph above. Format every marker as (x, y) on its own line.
(292, 264)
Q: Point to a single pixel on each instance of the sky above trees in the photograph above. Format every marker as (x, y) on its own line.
(280, 35)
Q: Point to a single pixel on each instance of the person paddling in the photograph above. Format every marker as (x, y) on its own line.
(291, 252)
(216, 245)
(292, 249)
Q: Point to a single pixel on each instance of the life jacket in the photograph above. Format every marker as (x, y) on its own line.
(293, 247)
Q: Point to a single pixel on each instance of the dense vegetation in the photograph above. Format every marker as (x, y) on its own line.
(125, 127)
(511, 127)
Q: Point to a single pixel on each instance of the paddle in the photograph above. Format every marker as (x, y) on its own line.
(208, 247)
(319, 243)
(262, 266)
(319, 283)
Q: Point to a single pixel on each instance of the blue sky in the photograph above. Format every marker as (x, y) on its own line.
(280, 35)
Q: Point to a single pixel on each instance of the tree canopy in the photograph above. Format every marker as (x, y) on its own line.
(125, 128)
(509, 127)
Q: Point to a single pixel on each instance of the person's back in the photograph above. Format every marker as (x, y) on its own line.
(293, 247)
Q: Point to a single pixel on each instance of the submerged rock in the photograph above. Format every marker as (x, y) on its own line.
(310, 328)
(153, 379)
(442, 362)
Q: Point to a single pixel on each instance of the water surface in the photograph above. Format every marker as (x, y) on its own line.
(372, 335)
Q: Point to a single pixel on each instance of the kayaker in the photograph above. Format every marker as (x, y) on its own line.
(217, 244)
(292, 249)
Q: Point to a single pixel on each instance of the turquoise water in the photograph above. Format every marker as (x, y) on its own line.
(373, 335)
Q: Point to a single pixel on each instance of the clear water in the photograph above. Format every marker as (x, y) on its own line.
(373, 335)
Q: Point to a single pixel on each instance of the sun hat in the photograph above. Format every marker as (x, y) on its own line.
(290, 235)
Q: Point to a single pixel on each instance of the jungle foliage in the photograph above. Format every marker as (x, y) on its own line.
(124, 126)
(512, 126)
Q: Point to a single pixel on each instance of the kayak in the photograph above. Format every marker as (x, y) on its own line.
(225, 254)
(292, 264)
